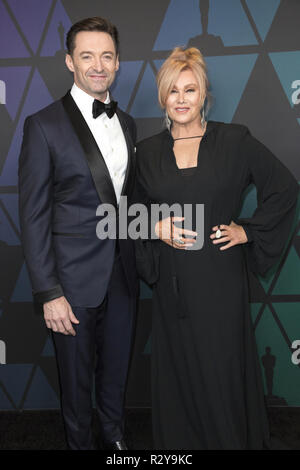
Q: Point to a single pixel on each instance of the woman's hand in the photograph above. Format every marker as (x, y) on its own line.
(233, 233)
(174, 236)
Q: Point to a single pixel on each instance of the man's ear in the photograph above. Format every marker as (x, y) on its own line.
(69, 62)
(117, 63)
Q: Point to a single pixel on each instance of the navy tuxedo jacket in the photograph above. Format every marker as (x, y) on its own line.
(62, 180)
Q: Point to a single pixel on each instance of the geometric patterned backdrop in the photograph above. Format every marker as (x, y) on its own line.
(252, 49)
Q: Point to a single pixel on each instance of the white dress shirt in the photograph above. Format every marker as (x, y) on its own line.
(109, 137)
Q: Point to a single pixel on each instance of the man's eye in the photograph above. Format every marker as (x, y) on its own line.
(86, 57)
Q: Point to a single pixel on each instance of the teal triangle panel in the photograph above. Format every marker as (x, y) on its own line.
(41, 394)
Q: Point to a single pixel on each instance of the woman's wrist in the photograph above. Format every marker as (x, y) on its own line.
(248, 233)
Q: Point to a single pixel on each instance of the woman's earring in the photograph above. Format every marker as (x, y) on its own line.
(203, 117)
(168, 120)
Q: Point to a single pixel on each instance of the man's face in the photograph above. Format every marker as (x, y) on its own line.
(94, 62)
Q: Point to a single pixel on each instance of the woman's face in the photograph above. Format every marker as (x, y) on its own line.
(183, 104)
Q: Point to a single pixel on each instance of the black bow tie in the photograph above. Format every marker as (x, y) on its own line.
(99, 108)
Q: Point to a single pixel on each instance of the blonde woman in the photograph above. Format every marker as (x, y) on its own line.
(207, 390)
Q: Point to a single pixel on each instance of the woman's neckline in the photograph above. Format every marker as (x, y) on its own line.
(195, 167)
(195, 135)
(209, 128)
(187, 168)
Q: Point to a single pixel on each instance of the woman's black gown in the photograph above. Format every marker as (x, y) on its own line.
(207, 390)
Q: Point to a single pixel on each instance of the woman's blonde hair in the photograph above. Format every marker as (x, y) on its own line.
(182, 59)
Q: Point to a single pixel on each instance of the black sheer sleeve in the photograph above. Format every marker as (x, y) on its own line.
(269, 228)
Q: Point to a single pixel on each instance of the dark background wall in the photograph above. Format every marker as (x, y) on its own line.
(252, 48)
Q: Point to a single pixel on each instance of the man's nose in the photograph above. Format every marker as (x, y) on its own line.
(98, 66)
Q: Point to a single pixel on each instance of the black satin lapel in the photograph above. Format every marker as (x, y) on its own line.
(94, 157)
(129, 175)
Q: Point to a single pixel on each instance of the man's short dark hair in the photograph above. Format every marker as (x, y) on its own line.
(95, 23)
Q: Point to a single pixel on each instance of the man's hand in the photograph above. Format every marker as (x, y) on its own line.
(233, 234)
(174, 236)
(59, 317)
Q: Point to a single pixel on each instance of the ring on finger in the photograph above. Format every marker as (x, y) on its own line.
(178, 240)
(218, 233)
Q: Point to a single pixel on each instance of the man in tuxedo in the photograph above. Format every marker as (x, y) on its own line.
(76, 154)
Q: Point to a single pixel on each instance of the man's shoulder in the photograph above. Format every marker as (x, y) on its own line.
(130, 122)
(128, 118)
(49, 112)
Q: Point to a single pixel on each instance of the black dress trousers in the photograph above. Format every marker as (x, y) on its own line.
(107, 331)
